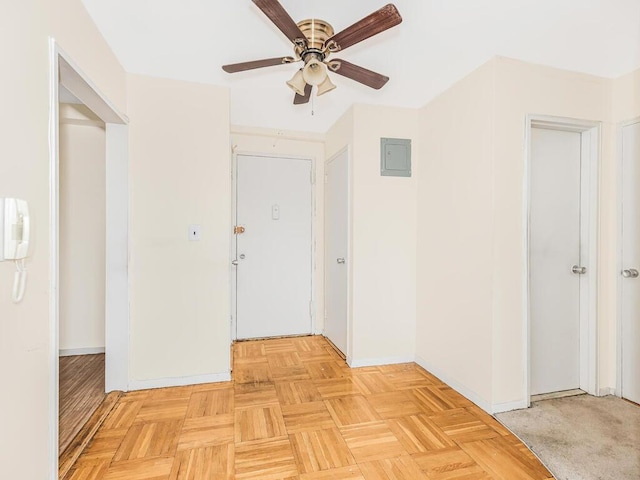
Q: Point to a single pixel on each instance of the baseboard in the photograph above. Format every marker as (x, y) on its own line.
(508, 406)
(179, 381)
(458, 387)
(604, 391)
(374, 362)
(70, 352)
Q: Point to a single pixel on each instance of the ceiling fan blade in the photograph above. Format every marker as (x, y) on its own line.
(281, 19)
(373, 24)
(359, 74)
(299, 99)
(267, 62)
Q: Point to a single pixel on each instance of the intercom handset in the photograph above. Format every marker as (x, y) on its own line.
(14, 239)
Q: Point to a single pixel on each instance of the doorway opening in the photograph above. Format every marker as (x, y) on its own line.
(68, 84)
(82, 223)
(272, 266)
(560, 264)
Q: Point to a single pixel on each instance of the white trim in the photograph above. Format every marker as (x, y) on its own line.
(85, 90)
(279, 134)
(179, 381)
(591, 145)
(374, 362)
(453, 383)
(619, 250)
(234, 213)
(72, 352)
(81, 86)
(604, 391)
(508, 406)
(117, 307)
(53, 260)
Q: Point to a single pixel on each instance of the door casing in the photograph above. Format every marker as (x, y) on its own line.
(590, 160)
(62, 69)
(233, 254)
(619, 264)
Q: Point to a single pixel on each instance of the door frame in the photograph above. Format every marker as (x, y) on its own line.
(349, 264)
(63, 70)
(619, 250)
(233, 254)
(589, 208)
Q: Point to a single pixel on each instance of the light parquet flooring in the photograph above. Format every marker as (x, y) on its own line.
(296, 411)
(81, 392)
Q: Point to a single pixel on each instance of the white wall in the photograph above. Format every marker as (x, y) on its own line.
(455, 235)
(179, 175)
(24, 172)
(82, 230)
(247, 140)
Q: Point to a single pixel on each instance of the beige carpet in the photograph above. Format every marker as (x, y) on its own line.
(582, 437)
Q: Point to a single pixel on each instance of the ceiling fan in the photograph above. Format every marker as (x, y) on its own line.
(314, 41)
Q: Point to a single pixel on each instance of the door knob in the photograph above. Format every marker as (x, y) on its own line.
(578, 270)
(340, 260)
(631, 273)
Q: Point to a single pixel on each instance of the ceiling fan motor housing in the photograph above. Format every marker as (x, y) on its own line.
(317, 32)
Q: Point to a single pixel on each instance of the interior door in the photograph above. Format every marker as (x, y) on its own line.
(631, 263)
(336, 250)
(554, 261)
(274, 254)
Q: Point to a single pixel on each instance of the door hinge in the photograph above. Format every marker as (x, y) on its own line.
(312, 177)
(238, 230)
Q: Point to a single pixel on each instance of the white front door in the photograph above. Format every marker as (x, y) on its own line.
(274, 254)
(336, 250)
(554, 250)
(631, 262)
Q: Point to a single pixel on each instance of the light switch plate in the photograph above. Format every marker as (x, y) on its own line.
(194, 233)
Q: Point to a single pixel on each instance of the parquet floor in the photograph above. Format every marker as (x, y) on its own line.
(81, 383)
(296, 411)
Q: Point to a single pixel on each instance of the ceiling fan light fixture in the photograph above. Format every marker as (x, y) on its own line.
(297, 83)
(325, 86)
(314, 72)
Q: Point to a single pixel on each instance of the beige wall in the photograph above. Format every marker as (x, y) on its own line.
(476, 130)
(455, 235)
(340, 135)
(179, 175)
(382, 230)
(626, 97)
(82, 229)
(24, 173)
(249, 140)
(523, 89)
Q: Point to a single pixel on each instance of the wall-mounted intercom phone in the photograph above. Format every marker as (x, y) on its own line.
(14, 240)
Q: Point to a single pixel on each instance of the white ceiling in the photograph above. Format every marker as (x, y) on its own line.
(438, 42)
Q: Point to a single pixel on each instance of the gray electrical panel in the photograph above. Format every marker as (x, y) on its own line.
(395, 157)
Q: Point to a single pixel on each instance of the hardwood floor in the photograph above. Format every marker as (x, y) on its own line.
(81, 392)
(296, 411)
